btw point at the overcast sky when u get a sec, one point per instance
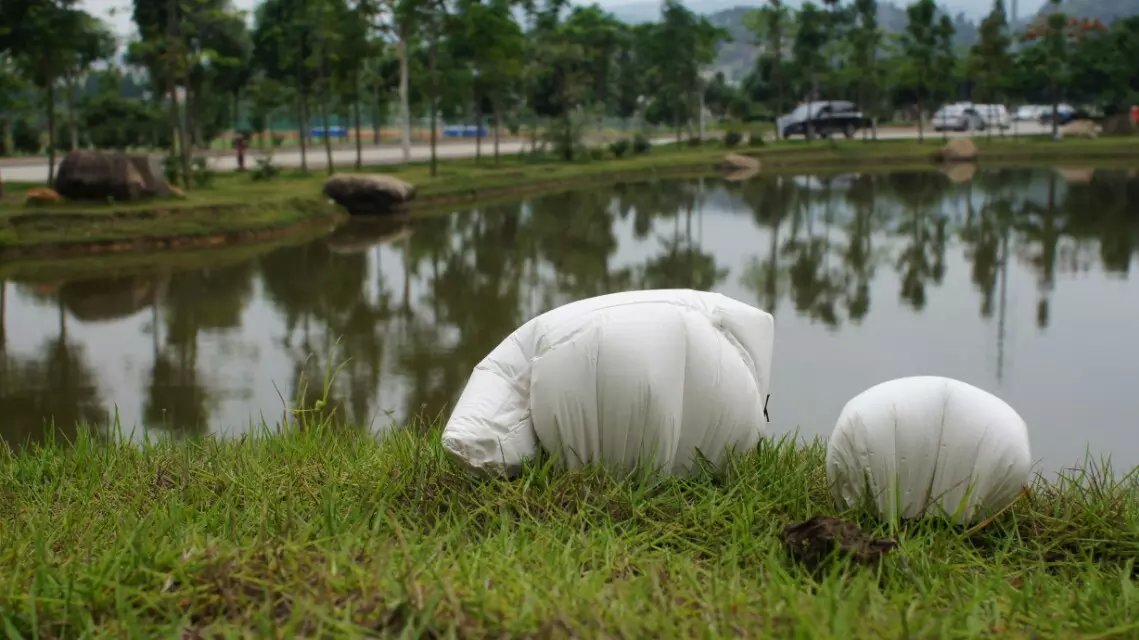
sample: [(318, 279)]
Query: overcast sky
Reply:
[(117, 12)]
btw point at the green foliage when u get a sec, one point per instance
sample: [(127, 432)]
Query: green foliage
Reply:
[(732, 138), (641, 144), (755, 140), (172, 168), (265, 170), (25, 137), (201, 173), (619, 147)]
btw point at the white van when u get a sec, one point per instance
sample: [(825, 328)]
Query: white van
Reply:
[(969, 116)]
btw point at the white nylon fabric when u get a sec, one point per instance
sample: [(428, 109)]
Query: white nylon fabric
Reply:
[(929, 445), (659, 377)]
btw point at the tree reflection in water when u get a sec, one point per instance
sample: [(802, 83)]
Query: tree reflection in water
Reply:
[(403, 310)]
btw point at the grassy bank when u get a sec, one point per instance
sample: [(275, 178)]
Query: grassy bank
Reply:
[(235, 207), (331, 533)]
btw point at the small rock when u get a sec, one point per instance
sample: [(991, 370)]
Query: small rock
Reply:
[(42, 195), (960, 150), (736, 162), (813, 541), (376, 194)]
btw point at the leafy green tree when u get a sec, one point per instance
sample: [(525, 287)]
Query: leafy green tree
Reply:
[(807, 52), (925, 44), (283, 42), (989, 63), (677, 48), (865, 44), (768, 80), (49, 39)]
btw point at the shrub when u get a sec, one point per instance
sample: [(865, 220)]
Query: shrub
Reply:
[(172, 168), (201, 173), (695, 141), (619, 148), (641, 144), (732, 138), (755, 140), (25, 137), (265, 170), (278, 140)]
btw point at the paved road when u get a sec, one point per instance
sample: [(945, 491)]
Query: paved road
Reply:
[(35, 170)]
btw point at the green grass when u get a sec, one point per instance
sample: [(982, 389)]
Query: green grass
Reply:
[(327, 532), (235, 205)]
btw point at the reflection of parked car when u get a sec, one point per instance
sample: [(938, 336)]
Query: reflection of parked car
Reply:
[(968, 116), (824, 117)]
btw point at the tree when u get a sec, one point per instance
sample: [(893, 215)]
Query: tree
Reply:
[(679, 45), (49, 38), (1050, 57), (807, 52), (865, 41), (926, 44), (282, 46), (770, 25), (989, 63)]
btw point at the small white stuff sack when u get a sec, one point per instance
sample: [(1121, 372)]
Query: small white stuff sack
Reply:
[(928, 445), (660, 377)]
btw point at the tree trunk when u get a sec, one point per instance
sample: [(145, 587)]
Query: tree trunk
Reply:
[(478, 128), (404, 104), (376, 113), (72, 125), (497, 124), (921, 130), (176, 142), (432, 54), (1055, 111), (302, 129), (50, 131), (356, 109), (322, 82)]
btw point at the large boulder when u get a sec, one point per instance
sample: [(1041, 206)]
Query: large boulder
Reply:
[(98, 175), (361, 194), (960, 150)]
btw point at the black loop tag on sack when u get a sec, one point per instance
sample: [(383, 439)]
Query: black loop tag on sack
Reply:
[(765, 401)]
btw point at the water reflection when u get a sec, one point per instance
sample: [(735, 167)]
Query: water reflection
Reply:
[(870, 276)]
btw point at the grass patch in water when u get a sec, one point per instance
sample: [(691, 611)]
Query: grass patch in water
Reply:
[(323, 531)]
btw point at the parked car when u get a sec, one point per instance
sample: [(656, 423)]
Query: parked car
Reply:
[(1029, 113), (969, 116), (824, 117), (1064, 112)]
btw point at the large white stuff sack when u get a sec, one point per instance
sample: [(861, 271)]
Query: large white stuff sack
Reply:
[(661, 377), (929, 445)]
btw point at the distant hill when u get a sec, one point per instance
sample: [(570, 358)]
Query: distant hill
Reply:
[(1106, 10), (736, 57)]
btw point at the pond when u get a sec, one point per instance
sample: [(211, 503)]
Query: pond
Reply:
[(1018, 281)]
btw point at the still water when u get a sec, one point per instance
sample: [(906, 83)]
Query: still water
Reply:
[(1018, 281)]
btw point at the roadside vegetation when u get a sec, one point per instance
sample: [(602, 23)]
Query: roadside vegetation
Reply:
[(322, 529)]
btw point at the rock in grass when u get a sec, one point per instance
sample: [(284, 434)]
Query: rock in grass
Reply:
[(86, 174), (362, 195), (960, 150), (1082, 129), (734, 162), (814, 541), (42, 195)]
